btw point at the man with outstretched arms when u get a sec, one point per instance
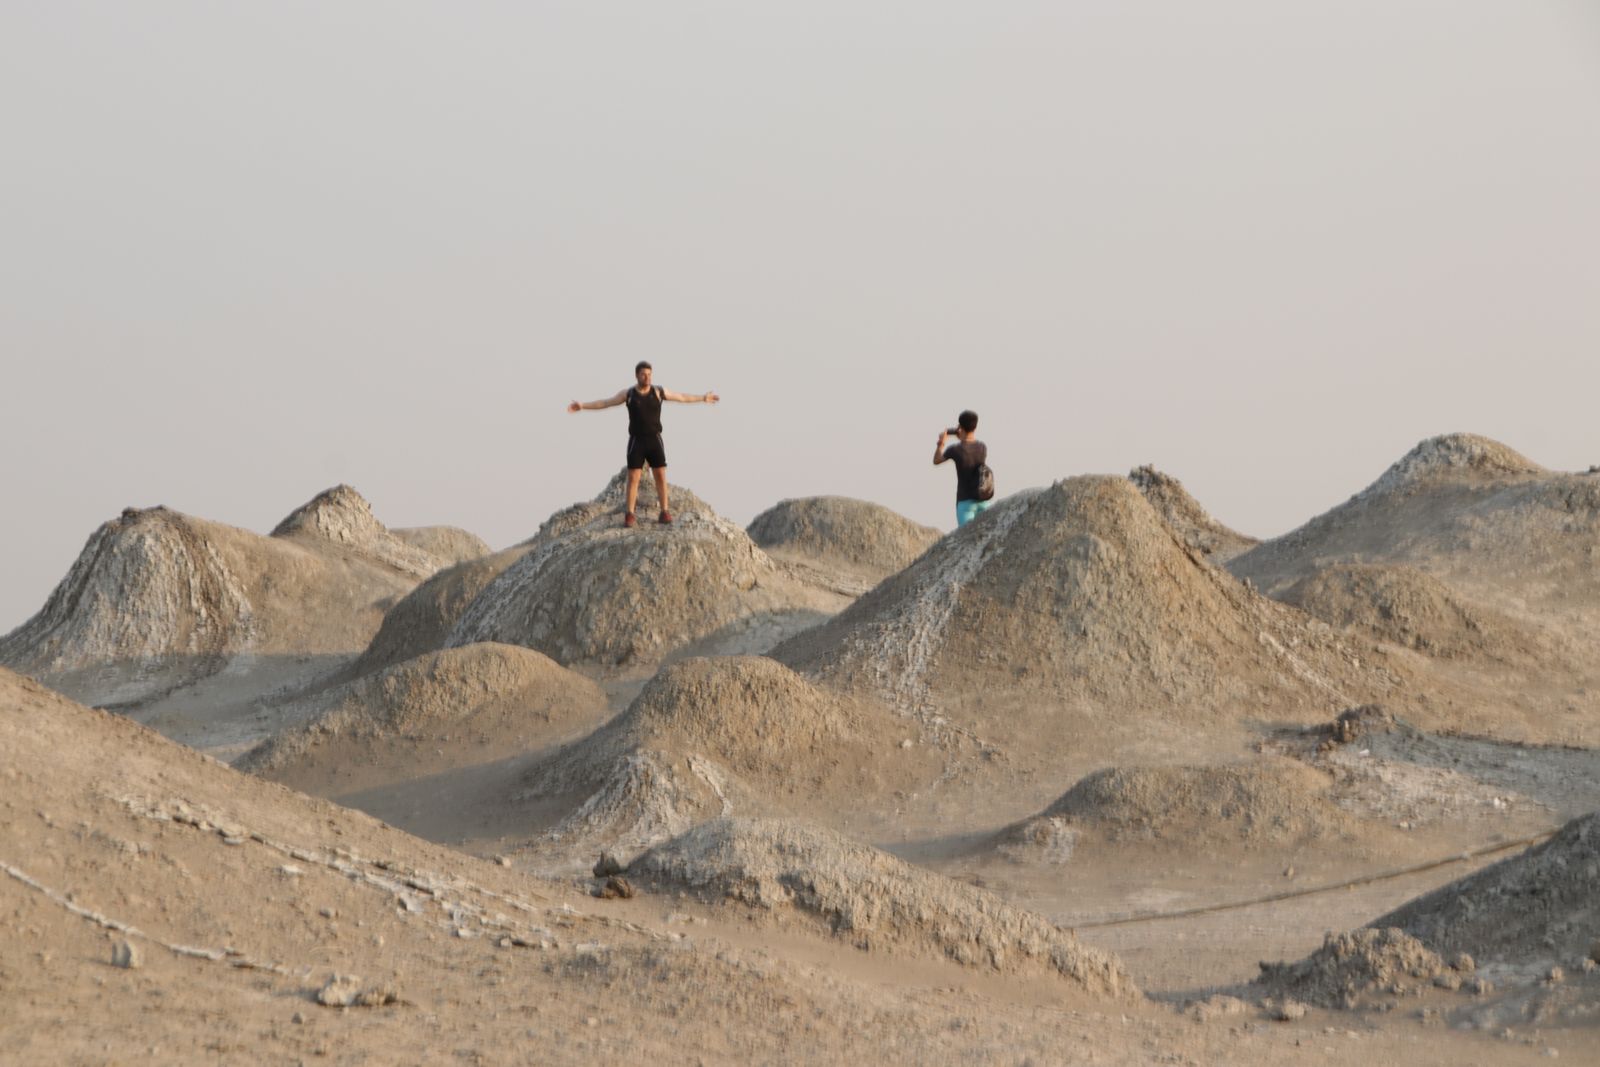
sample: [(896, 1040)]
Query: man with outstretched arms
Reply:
[(644, 432)]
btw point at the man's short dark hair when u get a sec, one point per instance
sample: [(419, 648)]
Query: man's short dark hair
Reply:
[(644, 364), (968, 421)]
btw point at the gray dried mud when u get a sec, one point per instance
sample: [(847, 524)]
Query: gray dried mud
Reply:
[(158, 600), (1051, 759), (838, 533), (589, 592)]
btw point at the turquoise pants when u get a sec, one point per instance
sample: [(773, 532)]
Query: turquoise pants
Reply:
[(967, 510)]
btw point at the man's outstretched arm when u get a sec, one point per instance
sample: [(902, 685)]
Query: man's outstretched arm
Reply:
[(690, 398), (596, 405), (938, 449)]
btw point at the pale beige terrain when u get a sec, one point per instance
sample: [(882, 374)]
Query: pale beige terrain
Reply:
[(1058, 788)]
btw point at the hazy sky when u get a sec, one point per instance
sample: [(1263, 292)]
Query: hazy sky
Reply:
[(249, 251)]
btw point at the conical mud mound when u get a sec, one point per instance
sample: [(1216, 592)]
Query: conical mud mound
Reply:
[(153, 600), (441, 710), (878, 903), (838, 532), (1492, 574), (1464, 508), (1462, 457), (711, 736), (448, 544), (1184, 515), (342, 518), (1082, 592), (589, 591), (1269, 803), (158, 600)]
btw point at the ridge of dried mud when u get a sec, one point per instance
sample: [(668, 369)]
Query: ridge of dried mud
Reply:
[(1184, 515), (871, 899), (1537, 908)]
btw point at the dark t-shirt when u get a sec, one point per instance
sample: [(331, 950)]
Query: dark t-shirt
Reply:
[(644, 412), (967, 456)]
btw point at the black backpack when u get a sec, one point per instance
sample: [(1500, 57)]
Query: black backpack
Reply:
[(985, 482)]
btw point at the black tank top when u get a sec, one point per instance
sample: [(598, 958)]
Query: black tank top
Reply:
[(644, 412)]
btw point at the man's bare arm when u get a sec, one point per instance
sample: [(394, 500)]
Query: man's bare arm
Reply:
[(690, 398), (596, 405), (938, 449)]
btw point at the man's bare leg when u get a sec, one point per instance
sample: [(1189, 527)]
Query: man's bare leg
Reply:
[(633, 488), (661, 486)]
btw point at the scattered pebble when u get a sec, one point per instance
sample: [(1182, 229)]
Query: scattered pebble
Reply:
[(126, 954), (1289, 1011), (615, 886), (345, 991)]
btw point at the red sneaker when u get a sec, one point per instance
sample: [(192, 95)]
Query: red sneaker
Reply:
[(628, 519), (665, 518)]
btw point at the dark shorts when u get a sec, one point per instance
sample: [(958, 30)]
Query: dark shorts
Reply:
[(642, 450)]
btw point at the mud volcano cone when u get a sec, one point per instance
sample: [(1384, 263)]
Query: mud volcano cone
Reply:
[(590, 591), (1080, 593), (1469, 511), (158, 600)]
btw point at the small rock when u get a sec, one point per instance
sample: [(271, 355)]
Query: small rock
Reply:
[(607, 866), (906, 743), (329, 913), (1289, 1011), (297, 1018), (1594, 952), (126, 954), (1217, 1007), (504, 861), (1480, 986), (345, 991), (1555, 975), (1448, 980), (1464, 963), (1589, 965), (615, 886)]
